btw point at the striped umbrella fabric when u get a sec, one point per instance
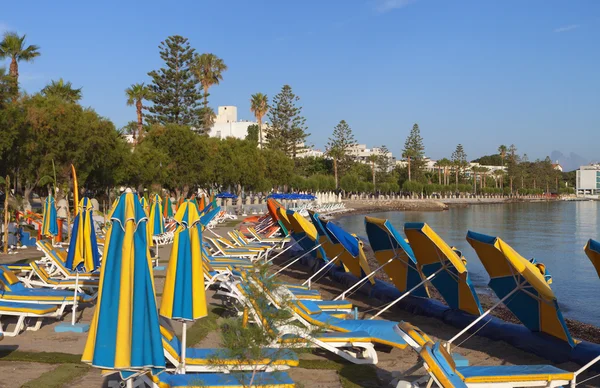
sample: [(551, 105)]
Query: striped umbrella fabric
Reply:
[(183, 295), (524, 284), (145, 206), (156, 221), (125, 332), (83, 247), (49, 223), (435, 256), (167, 208), (592, 250)]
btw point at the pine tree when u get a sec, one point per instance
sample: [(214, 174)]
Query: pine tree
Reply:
[(175, 94), (459, 160), (414, 151), (287, 131), (339, 147)]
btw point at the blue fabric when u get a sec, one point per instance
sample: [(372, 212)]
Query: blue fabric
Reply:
[(81, 217), (349, 242), (260, 379), (595, 245), (27, 306), (509, 370), (446, 368), (208, 216), (183, 309), (314, 218), (226, 194)]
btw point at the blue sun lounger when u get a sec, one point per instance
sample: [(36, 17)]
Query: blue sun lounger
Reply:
[(35, 312), (446, 374), (221, 380)]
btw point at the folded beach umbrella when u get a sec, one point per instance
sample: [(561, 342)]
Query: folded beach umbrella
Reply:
[(332, 248), (125, 333), (83, 247), (395, 255), (592, 250), (303, 227), (201, 204), (49, 223), (167, 207), (145, 206), (184, 298), (522, 285), (353, 257), (272, 206), (156, 221), (211, 212), (451, 277)]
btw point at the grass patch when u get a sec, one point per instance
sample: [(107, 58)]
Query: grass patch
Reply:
[(43, 357), (199, 330), (351, 375), (58, 377)]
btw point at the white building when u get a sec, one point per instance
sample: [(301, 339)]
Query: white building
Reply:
[(588, 180), (227, 124)]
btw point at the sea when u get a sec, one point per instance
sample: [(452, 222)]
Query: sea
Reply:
[(553, 233)]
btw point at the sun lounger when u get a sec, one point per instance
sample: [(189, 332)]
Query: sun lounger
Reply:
[(39, 277), (213, 360), (56, 257), (220, 380), (30, 311), (446, 374), (224, 251), (271, 240)]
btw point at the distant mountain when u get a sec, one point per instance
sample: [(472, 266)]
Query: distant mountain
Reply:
[(568, 163)]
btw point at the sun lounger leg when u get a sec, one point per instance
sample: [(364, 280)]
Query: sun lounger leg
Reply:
[(37, 326), (18, 327)]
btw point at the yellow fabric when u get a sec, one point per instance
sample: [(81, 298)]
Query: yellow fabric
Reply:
[(518, 378), (433, 366), (419, 336)]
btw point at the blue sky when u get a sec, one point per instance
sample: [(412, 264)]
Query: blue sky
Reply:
[(476, 72)]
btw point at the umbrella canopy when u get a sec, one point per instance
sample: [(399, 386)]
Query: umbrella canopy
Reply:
[(201, 204), (592, 250), (525, 284), (83, 247), (272, 206), (124, 332), (226, 194), (167, 207), (211, 212), (354, 257), (156, 223), (387, 243), (303, 227), (49, 223), (183, 297), (145, 206), (435, 256)]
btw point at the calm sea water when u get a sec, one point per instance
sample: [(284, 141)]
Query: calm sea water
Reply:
[(552, 232)]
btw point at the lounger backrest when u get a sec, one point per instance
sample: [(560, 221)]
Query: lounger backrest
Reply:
[(7, 279), (171, 342), (440, 365), (416, 334)]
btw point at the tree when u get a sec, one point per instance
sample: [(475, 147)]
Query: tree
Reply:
[(459, 160), (372, 159), (288, 127), (513, 167), (252, 133), (136, 94), (208, 70), (414, 151), (502, 152), (62, 90), (174, 92), (339, 146), (259, 105), (13, 46)]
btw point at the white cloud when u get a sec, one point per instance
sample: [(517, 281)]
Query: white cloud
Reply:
[(567, 28), (383, 6)]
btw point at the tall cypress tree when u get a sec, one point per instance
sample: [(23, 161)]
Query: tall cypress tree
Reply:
[(414, 151), (175, 93), (339, 148), (288, 127)]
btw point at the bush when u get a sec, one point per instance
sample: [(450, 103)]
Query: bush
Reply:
[(350, 183), (412, 187)]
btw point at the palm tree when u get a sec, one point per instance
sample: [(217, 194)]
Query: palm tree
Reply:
[(336, 154), (136, 94), (373, 159), (259, 105), (484, 171), (208, 69), (439, 168), (502, 152), (13, 47), (63, 90)]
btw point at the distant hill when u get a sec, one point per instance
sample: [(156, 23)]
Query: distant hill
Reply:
[(489, 160), (568, 163)]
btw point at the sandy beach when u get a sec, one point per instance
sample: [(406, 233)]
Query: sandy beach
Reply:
[(34, 358)]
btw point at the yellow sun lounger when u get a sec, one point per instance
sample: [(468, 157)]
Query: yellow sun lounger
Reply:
[(41, 278), (57, 258), (33, 312)]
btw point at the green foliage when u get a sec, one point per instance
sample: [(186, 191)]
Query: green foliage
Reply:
[(259, 105), (252, 134), (279, 169), (287, 131), (62, 90), (312, 165), (350, 183), (412, 187), (174, 89), (489, 160), (208, 70), (339, 147), (59, 377), (414, 152)]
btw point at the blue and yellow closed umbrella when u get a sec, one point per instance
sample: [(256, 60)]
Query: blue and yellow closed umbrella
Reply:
[(184, 298), (395, 255), (145, 206), (83, 247), (156, 221), (125, 332), (522, 285), (49, 223), (592, 250), (445, 267)]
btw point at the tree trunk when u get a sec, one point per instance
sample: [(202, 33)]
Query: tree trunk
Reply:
[(140, 123), (205, 103), (408, 165), (511, 184), (373, 172), (6, 217), (475, 182), (26, 196), (260, 137), (335, 172), (14, 73), (456, 177)]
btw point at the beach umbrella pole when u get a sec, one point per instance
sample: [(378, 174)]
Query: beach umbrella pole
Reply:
[(183, 346), (361, 281), (280, 253), (75, 299), (390, 305), (321, 270), (469, 326), (295, 260)]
